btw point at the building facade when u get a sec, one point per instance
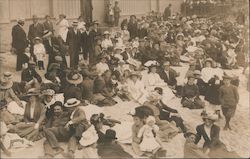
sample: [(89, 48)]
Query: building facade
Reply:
[(10, 10)]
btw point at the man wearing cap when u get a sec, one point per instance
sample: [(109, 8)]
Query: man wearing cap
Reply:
[(229, 98), (56, 131), (19, 42), (30, 73), (73, 41)]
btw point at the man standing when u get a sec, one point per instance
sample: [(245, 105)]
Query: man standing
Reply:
[(88, 43), (35, 30), (229, 98), (167, 12), (48, 25), (19, 42), (117, 11), (73, 41)]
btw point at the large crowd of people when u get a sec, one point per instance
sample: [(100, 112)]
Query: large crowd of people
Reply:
[(133, 63)]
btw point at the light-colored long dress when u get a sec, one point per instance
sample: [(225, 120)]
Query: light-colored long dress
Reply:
[(63, 29), (136, 89)]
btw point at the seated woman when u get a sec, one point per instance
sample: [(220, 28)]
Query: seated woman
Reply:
[(74, 79), (152, 79), (190, 95), (210, 132), (14, 105), (135, 88), (167, 130), (200, 83), (34, 116), (103, 90)]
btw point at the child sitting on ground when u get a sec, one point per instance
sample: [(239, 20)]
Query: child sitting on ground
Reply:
[(150, 142)]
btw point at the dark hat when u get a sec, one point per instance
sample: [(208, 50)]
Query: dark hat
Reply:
[(57, 103), (110, 134), (32, 92), (95, 118), (74, 78), (191, 76)]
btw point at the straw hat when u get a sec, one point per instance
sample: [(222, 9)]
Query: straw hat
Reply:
[(32, 92), (75, 23), (209, 60), (37, 38), (134, 73), (72, 102), (48, 92), (151, 63), (74, 78), (58, 58), (226, 77), (106, 33), (197, 72)]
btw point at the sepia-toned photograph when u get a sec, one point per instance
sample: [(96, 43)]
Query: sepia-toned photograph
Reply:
[(124, 79)]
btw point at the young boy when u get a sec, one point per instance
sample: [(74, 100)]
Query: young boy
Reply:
[(229, 98), (39, 52)]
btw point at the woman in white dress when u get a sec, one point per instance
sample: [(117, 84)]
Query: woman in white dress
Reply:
[(135, 88), (152, 80), (63, 26)]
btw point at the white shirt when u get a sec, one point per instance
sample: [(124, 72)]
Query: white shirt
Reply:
[(207, 73), (135, 89), (106, 43), (39, 51), (207, 130), (153, 79), (101, 68), (63, 29), (32, 110)]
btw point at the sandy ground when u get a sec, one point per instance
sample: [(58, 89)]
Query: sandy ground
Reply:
[(236, 140)]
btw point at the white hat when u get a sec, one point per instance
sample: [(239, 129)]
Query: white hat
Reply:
[(48, 92), (72, 102), (151, 63), (106, 32)]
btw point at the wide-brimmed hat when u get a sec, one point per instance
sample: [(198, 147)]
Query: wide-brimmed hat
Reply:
[(48, 92), (31, 62), (209, 60), (74, 78), (134, 73), (110, 134), (151, 63), (106, 33), (32, 92), (197, 72), (37, 38), (72, 102), (191, 76)]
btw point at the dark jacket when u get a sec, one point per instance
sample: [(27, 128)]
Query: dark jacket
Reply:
[(210, 141), (59, 121), (73, 41), (87, 87), (35, 31), (39, 113), (87, 41), (112, 150), (28, 74), (19, 39), (48, 26), (72, 91), (171, 80), (133, 30), (165, 111)]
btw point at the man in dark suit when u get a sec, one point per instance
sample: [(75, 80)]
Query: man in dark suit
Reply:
[(56, 131), (48, 25), (19, 42), (35, 30), (87, 42), (30, 73), (167, 12), (168, 75), (211, 139), (73, 41)]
